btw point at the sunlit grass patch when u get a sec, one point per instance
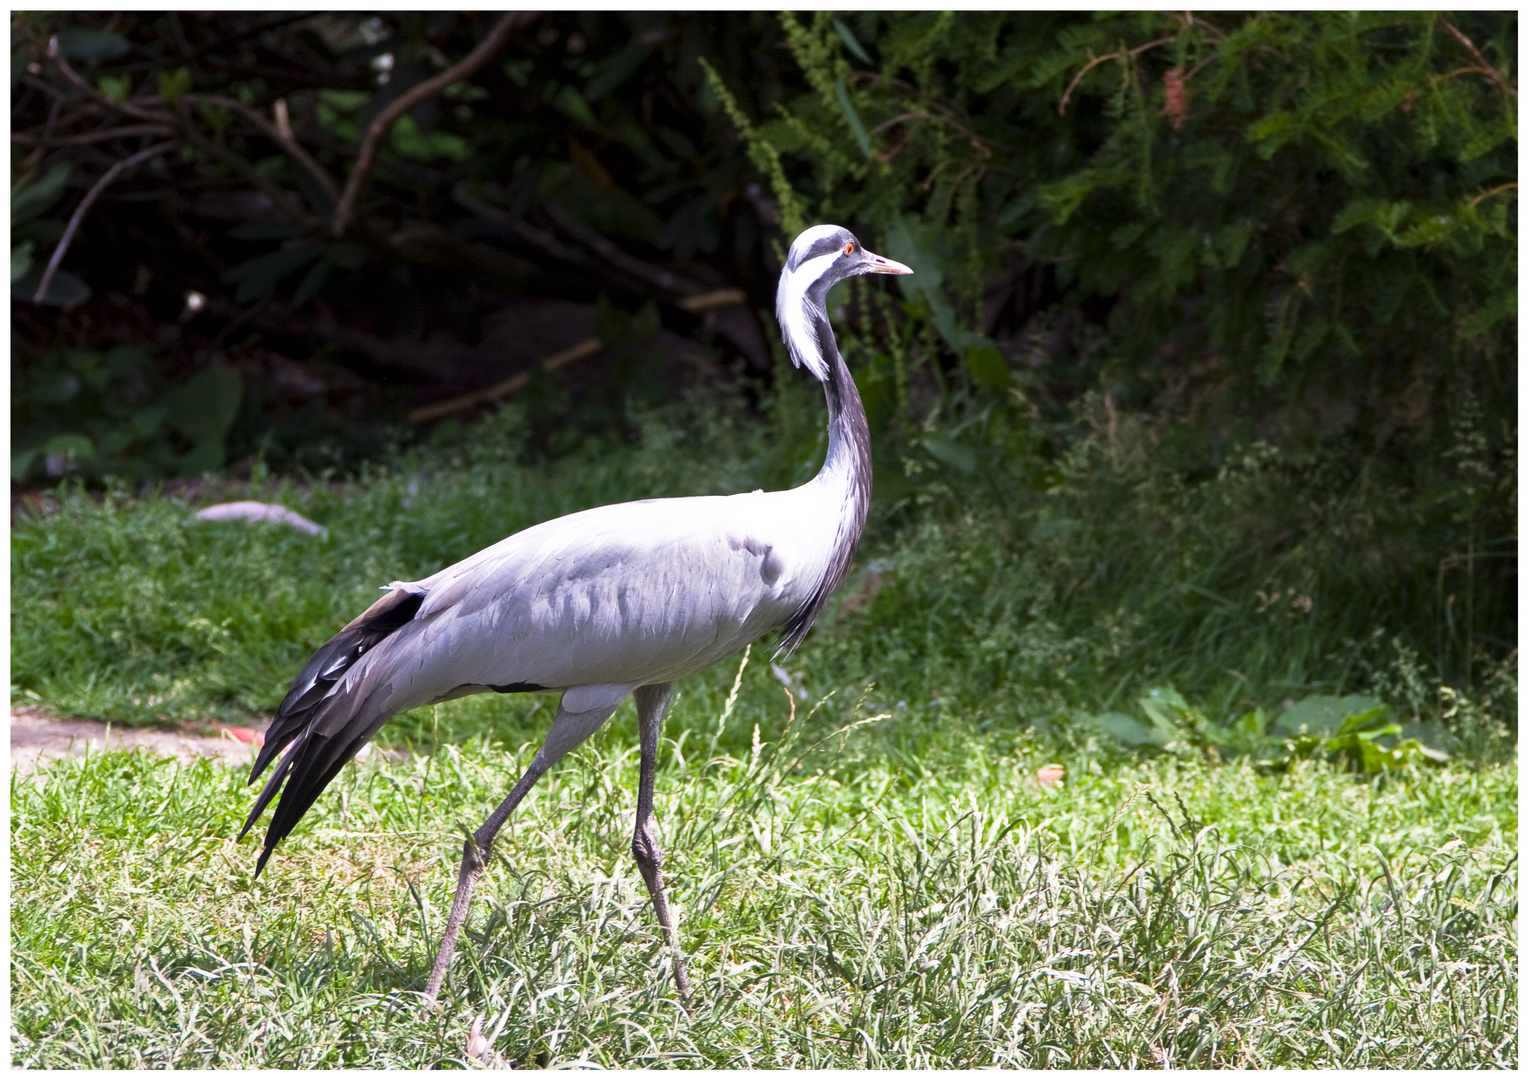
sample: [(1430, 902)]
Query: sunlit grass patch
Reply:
[(844, 914)]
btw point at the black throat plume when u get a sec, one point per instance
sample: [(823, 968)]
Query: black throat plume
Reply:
[(848, 455)]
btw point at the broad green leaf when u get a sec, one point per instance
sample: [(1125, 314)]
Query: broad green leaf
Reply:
[(174, 85), (861, 136), (1125, 729), (617, 70), (65, 290), (116, 87), (1324, 714), (571, 104), (54, 388), (21, 463), (947, 451), (21, 259), (612, 211), (144, 422), (125, 358), (258, 276), (202, 458), (410, 141), (851, 42), (312, 282), (987, 367), (70, 444), (78, 43), (31, 196), (927, 281), (204, 408), (1169, 713)]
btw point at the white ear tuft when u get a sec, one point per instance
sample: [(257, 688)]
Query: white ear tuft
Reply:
[(795, 311)]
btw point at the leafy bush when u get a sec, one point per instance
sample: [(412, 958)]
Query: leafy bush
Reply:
[(1281, 250), (582, 159), (1251, 197), (99, 415)]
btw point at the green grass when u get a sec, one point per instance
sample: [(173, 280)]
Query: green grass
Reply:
[(889, 893), (846, 904), (125, 609), (1026, 594)]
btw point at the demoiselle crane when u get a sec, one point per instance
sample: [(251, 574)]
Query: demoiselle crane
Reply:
[(597, 605)]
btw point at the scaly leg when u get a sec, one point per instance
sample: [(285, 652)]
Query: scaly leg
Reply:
[(652, 703), (568, 730), (474, 862)]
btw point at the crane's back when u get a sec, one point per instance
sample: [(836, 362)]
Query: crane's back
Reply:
[(633, 593)]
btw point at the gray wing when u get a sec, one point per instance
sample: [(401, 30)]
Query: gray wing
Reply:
[(628, 594)]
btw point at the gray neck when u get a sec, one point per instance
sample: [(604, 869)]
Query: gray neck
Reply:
[(847, 466)]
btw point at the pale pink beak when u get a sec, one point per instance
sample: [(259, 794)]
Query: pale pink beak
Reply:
[(877, 264)]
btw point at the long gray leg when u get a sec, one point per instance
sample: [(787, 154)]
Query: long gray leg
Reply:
[(568, 730), (652, 703)]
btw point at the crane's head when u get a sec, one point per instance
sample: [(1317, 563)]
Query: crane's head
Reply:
[(821, 257)]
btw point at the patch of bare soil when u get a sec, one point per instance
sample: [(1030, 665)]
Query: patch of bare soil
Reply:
[(37, 737)]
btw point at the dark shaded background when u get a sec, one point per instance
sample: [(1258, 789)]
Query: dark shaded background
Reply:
[(477, 249)]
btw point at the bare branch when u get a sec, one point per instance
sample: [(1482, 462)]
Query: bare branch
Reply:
[(1093, 63), (716, 298), (1478, 199), (279, 132), (56, 55), (425, 414), (1089, 66), (883, 125), (43, 85), (270, 190), (127, 131), (1485, 67), (379, 127), (188, 132), (539, 238), (571, 355), (655, 275), (938, 110), (53, 111), (84, 208)]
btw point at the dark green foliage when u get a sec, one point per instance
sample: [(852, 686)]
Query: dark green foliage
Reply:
[(1358, 732), (1073, 593), (104, 415), (1257, 195), (1298, 233), (584, 125)]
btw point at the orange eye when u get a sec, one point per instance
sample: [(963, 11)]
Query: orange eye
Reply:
[(848, 249)]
